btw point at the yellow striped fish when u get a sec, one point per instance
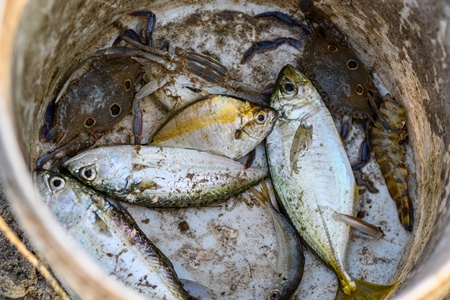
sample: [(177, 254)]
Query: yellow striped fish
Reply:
[(219, 124)]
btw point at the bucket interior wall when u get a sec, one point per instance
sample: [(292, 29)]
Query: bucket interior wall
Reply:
[(403, 42)]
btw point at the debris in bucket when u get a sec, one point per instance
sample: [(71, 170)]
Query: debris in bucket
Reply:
[(187, 98)]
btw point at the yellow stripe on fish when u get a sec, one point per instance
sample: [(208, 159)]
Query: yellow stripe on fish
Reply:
[(219, 124)]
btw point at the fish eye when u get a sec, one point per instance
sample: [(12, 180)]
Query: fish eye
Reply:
[(274, 294), (115, 110), (352, 64), (260, 117), (88, 173), (89, 122), (288, 88), (332, 48), (128, 84), (359, 89), (57, 183)]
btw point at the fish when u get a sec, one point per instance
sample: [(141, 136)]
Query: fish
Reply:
[(291, 260), (367, 229), (313, 178), (156, 176), (110, 235), (220, 124), (389, 150)]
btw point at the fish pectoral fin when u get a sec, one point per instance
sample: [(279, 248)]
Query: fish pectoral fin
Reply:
[(196, 290), (134, 185), (301, 142), (146, 185), (237, 134), (365, 291), (150, 87), (368, 230), (202, 94)]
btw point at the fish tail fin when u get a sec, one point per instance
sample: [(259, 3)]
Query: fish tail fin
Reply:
[(365, 291), (263, 196)]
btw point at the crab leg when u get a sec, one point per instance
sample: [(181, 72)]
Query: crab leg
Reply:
[(149, 27), (128, 32), (268, 45), (47, 157), (365, 146), (345, 126), (148, 49), (137, 122), (165, 45), (284, 18), (46, 133)]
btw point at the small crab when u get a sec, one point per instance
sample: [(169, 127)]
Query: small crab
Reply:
[(94, 98), (112, 81), (330, 63)]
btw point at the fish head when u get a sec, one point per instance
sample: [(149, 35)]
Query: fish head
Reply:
[(293, 90), (64, 196), (86, 166), (259, 121), (281, 289), (96, 167), (50, 184)]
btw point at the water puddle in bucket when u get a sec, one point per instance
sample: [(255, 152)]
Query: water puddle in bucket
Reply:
[(232, 248)]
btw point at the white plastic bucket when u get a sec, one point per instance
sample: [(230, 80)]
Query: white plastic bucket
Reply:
[(404, 43)]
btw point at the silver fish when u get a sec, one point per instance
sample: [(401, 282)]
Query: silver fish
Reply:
[(313, 176), (290, 261), (110, 236), (157, 176)]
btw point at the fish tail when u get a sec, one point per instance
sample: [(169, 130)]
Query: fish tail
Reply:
[(365, 291), (263, 196)]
